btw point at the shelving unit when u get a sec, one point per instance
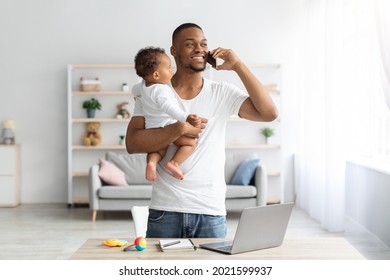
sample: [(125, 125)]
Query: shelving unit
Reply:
[(249, 137), (10, 175), (81, 157)]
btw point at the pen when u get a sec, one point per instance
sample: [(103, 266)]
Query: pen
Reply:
[(171, 243), (192, 244)]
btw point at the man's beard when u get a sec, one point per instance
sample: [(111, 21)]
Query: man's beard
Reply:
[(191, 67), (197, 70)]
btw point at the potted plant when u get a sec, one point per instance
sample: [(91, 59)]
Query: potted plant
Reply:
[(121, 139), (267, 133), (91, 106)]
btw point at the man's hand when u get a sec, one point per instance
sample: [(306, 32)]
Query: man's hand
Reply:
[(230, 60)]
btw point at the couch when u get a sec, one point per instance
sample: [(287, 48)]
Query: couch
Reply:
[(135, 190)]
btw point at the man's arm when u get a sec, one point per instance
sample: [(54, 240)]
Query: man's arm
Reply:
[(141, 140), (259, 106)]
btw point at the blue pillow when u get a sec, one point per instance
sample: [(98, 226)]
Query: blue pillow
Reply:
[(244, 172)]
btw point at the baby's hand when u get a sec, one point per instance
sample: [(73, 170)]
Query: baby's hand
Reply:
[(194, 120)]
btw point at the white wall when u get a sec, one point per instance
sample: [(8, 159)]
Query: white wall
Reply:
[(39, 38)]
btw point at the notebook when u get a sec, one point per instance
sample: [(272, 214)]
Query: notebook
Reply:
[(258, 228), (176, 245)]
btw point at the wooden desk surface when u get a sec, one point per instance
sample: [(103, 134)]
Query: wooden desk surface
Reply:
[(330, 248)]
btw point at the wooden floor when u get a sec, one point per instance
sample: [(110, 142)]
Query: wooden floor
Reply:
[(54, 232)]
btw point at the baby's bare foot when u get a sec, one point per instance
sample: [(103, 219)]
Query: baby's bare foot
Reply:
[(150, 172), (175, 169)]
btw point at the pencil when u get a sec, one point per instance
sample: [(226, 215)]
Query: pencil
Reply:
[(171, 243)]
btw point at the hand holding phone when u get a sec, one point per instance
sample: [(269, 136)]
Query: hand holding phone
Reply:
[(211, 60)]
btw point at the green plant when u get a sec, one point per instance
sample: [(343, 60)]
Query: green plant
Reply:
[(267, 132), (92, 104)]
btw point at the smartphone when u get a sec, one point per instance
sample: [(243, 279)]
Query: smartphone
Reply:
[(211, 60)]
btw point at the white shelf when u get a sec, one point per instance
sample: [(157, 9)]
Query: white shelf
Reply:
[(99, 147), (101, 66), (102, 120), (102, 93), (259, 146), (80, 174)]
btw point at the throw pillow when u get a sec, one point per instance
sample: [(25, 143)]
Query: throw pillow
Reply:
[(133, 165), (244, 172), (111, 174)]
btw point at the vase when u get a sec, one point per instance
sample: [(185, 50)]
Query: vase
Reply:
[(91, 113)]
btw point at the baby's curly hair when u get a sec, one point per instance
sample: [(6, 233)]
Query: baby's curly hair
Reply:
[(147, 60)]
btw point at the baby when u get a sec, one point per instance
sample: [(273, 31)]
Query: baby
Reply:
[(161, 107)]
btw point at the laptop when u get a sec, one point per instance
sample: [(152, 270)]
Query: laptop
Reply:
[(258, 228)]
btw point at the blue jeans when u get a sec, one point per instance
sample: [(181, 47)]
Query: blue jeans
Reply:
[(165, 224)]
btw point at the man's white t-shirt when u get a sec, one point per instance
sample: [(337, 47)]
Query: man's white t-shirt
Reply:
[(203, 189)]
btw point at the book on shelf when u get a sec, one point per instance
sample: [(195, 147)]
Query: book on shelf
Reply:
[(177, 245)]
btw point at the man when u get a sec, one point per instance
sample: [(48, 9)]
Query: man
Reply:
[(195, 207)]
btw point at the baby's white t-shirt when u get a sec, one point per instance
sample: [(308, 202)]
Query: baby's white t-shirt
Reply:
[(159, 105)]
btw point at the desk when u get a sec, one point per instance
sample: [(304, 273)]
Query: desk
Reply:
[(329, 248)]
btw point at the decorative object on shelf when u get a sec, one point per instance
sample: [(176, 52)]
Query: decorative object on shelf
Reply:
[(125, 87), (123, 112), (121, 139), (7, 134), (267, 133), (91, 106), (92, 137), (90, 85)]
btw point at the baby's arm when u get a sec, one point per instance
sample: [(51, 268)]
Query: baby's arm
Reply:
[(166, 101)]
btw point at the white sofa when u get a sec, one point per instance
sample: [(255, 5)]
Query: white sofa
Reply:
[(138, 192)]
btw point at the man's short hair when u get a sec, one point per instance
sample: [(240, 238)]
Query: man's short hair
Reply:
[(183, 27), (147, 60)]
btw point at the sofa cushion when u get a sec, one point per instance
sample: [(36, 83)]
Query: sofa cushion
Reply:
[(127, 192), (234, 158), (111, 174), (133, 165), (245, 172), (239, 191)]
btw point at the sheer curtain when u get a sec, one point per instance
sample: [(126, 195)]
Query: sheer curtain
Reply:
[(337, 90), (382, 13)]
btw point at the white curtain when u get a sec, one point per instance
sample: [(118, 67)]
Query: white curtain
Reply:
[(382, 14), (335, 93)]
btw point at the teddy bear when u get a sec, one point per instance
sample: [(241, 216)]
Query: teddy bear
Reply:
[(123, 112), (92, 137)]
